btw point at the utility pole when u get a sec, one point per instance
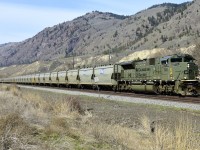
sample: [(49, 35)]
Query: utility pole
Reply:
[(73, 58), (109, 55)]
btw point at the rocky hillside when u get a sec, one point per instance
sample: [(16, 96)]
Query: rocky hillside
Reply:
[(168, 26)]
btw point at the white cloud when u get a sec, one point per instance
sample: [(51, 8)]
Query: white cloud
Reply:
[(25, 20)]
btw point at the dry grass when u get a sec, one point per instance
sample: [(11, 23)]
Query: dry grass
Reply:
[(185, 136), (15, 133), (38, 111), (181, 136), (39, 120), (13, 88), (118, 136), (145, 125)]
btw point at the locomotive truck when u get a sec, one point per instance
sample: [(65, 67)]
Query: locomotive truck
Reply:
[(174, 74)]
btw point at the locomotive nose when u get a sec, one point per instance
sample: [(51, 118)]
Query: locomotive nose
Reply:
[(192, 70)]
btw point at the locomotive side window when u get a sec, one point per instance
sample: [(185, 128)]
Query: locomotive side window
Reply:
[(164, 62), (129, 66)]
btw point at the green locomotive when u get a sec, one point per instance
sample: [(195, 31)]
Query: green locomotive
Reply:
[(175, 74), (166, 75)]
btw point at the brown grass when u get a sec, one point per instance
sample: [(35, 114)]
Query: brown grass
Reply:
[(42, 120), (15, 133), (13, 88), (122, 137), (145, 125), (181, 136)]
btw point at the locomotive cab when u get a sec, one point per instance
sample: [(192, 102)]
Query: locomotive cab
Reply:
[(191, 72), (178, 75), (179, 67), (184, 72)]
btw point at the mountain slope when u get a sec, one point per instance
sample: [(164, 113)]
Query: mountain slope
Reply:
[(166, 26)]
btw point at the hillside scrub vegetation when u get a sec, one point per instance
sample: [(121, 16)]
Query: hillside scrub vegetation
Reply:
[(31, 119), (167, 25), (196, 53)]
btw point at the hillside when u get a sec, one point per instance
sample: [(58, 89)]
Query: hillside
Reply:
[(168, 26), (88, 61)]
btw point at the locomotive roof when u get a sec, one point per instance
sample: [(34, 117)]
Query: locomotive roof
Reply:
[(162, 58), (177, 56), (126, 63), (130, 62)]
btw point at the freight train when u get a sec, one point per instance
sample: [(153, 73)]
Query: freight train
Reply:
[(174, 74)]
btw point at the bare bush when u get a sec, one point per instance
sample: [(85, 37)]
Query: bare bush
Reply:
[(196, 53), (15, 133), (122, 137), (145, 124), (67, 105), (180, 137), (13, 88)]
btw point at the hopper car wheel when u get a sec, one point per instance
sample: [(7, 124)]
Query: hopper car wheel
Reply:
[(95, 87), (81, 87)]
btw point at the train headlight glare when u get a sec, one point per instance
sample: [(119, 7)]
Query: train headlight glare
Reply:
[(188, 65), (185, 77)]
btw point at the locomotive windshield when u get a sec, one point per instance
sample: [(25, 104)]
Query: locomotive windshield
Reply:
[(188, 59)]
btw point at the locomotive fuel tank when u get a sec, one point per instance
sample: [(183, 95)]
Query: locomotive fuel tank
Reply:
[(147, 87)]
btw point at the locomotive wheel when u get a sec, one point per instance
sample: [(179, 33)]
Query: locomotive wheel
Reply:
[(157, 90), (80, 86), (114, 88)]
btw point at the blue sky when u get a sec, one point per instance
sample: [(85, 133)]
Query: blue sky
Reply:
[(22, 19)]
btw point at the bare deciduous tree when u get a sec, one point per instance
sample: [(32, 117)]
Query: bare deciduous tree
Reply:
[(196, 53)]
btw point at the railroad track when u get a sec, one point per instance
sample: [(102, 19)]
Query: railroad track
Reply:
[(172, 98)]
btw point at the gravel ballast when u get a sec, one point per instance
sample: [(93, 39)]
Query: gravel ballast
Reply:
[(122, 98)]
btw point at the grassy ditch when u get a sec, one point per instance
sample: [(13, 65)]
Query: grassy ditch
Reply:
[(42, 120)]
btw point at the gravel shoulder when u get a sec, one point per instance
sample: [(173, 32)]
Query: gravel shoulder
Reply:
[(145, 101)]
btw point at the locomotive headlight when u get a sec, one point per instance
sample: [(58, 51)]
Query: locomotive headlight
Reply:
[(188, 65), (185, 78)]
